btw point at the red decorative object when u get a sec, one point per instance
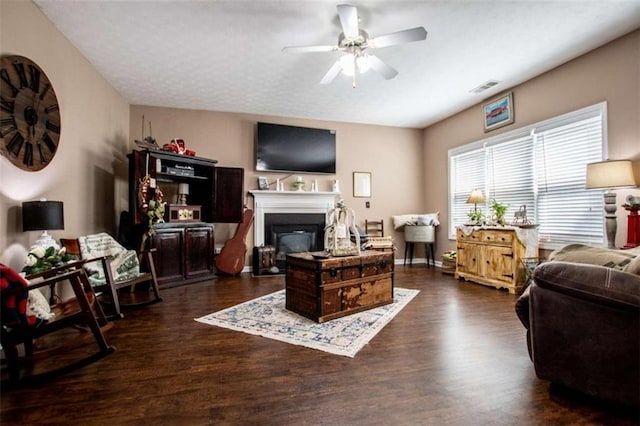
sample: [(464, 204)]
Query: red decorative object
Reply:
[(633, 228), (178, 146)]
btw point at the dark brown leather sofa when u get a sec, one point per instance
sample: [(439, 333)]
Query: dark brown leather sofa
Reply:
[(583, 329)]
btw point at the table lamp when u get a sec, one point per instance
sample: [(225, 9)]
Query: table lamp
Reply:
[(43, 215), (608, 175), (475, 198), (183, 191)]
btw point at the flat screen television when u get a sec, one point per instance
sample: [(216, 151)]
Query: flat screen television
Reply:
[(281, 148)]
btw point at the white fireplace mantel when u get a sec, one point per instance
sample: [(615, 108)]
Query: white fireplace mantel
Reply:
[(301, 202)]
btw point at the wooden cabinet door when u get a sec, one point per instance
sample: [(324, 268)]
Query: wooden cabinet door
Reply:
[(169, 257), (228, 204), (199, 251), (467, 258), (497, 263)]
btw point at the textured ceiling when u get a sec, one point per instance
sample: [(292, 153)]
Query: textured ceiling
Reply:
[(227, 55)]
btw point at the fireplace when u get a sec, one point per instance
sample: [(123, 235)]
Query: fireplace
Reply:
[(291, 221), (293, 233)]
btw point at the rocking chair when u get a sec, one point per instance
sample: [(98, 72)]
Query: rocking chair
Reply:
[(20, 328), (115, 270)]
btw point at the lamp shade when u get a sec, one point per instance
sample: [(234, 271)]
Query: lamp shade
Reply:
[(42, 215), (475, 197), (183, 188), (610, 174)]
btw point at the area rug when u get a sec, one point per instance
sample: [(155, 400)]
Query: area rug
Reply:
[(266, 316)]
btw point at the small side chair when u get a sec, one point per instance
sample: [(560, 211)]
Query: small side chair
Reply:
[(374, 228)]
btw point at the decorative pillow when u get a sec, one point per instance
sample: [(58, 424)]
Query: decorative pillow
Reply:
[(13, 308), (579, 253), (416, 219), (428, 219), (400, 221)]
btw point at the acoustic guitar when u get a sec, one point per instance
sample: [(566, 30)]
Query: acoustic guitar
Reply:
[(231, 257)]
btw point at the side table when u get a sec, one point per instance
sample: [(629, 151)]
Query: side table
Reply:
[(633, 229)]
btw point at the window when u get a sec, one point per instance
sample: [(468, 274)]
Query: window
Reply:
[(542, 167)]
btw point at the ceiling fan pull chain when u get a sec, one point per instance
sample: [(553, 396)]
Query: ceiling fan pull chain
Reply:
[(355, 70)]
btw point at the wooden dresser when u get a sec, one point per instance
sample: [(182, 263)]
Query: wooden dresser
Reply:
[(493, 256), (326, 288)]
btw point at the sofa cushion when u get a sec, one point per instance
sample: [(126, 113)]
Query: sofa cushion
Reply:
[(633, 267), (605, 284), (580, 253)]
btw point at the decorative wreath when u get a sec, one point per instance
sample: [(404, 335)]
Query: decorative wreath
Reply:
[(150, 206)]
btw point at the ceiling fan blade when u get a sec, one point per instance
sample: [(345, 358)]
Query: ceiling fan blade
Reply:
[(332, 73), (349, 20), (406, 36), (381, 68), (309, 49)]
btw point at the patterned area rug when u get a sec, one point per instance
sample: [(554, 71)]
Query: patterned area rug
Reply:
[(267, 317)]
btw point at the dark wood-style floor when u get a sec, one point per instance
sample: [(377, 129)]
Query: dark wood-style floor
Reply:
[(455, 355)]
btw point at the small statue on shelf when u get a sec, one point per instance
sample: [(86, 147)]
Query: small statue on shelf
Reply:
[(520, 218)]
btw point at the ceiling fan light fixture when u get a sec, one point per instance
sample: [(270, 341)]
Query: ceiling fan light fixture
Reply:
[(349, 65), (362, 61)]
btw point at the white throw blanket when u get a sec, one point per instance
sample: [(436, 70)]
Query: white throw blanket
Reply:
[(124, 263), (38, 306)]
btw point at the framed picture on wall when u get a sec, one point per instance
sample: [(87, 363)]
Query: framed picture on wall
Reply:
[(498, 112), (362, 184)]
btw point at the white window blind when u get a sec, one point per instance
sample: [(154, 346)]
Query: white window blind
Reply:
[(467, 172), (511, 167), (567, 212), (542, 167)]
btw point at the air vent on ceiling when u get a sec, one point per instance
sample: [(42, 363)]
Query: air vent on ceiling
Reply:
[(484, 86)]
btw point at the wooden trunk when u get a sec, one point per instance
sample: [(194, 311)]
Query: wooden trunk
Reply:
[(324, 288)]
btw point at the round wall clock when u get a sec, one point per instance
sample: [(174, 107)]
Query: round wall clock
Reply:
[(29, 115)]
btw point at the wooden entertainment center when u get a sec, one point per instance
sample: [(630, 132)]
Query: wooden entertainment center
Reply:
[(185, 242)]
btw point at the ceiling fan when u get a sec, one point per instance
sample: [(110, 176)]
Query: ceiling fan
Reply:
[(354, 42)]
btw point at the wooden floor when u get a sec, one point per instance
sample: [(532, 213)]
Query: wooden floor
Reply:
[(455, 355)]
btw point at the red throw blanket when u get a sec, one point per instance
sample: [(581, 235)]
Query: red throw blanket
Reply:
[(13, 303)]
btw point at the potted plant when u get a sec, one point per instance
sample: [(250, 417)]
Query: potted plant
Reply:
[(475, 217), (499, 211)]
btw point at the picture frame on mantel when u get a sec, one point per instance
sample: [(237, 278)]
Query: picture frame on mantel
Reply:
[(362, 184), (263, 183), (498, 112)]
